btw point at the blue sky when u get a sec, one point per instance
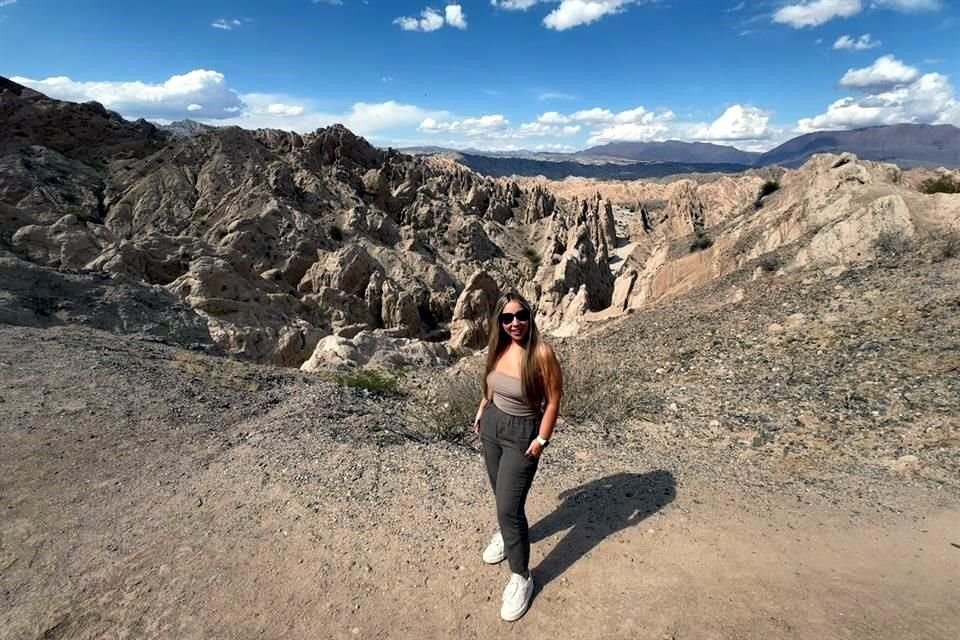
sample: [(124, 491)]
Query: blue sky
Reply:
[(503, 74)]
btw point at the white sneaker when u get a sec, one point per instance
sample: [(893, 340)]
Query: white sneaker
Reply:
[(516, 597), (494, 552)]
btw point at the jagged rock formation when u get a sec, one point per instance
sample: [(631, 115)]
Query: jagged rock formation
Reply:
[(278, 239), (830, 213)]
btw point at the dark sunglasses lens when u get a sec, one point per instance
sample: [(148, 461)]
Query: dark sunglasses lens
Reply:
[(522, 316)]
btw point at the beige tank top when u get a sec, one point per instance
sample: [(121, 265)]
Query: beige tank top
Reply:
[(508, 395)]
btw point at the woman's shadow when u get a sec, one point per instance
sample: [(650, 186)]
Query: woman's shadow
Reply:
[(596, 510)]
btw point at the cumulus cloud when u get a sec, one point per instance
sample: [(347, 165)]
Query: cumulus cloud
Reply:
[(431, 20), (886, 72), (455, 17), (170, 99), (813, 13), (573, 13), (897, 96), (856, 44), (570, 13), (484, 125), (816, 12), (737, 123)]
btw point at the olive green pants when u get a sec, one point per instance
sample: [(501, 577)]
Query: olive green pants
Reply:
[(505, 439)]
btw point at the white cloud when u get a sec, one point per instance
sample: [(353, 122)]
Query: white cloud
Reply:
[(194, 107), (816, 12), (284, 110), (226, 25), (169, 99), (514, 5), (856, 44), (570, 13), (595, 115), (455, 17), (738, 7), (431, 20), (738, 122), (484, 125), (813, 13), (886, 72), (539, 129), (7, 3), (929, 98), (573, 13), (336, 3), (552, 117)]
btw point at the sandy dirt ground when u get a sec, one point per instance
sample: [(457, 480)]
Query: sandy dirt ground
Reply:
[(152, 493)]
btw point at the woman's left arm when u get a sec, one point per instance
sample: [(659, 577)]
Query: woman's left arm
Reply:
[(553, 383)]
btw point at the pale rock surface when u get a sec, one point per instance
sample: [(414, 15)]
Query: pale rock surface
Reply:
[(472, 313), (375, 349)]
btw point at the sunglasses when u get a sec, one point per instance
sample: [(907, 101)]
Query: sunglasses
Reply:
[(522, 316)]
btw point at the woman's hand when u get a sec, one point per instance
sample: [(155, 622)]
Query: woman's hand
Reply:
[(534, 450)]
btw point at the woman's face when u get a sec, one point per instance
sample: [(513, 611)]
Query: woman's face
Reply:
[(515, 320)]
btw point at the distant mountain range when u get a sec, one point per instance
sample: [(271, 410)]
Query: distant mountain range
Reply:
[(672, 151), (907, 145)]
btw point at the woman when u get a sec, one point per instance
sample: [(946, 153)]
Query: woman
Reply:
[(522, 386)]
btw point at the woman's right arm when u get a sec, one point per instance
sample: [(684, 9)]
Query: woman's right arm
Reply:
[(476, 420)]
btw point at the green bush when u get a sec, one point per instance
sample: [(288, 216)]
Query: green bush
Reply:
[(770, 263), (373, 380), (768, 187), (701, 241), (944, 183), (532, 256)]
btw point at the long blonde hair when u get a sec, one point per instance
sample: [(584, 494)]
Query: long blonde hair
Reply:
[(531, 376)]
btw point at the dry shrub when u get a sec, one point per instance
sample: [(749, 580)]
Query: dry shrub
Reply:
[(893, 244), (604, 392), (943, 183), (454, 398), (223, 372), (944, 246)]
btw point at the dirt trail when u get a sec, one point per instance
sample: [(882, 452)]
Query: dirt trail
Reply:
[(269, 514)]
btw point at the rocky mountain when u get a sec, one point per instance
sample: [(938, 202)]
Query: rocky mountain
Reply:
[(186, 128), (672, 151), (907, 145), (293, 249)]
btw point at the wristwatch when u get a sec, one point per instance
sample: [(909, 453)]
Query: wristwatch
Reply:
[(543, 442)]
